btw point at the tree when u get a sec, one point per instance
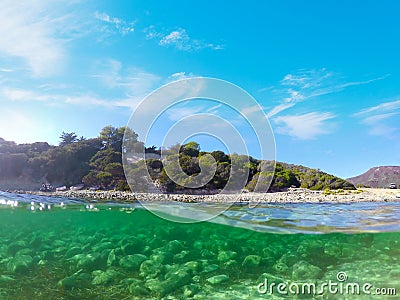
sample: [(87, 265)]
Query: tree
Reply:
[(68, 138), (191, 149)]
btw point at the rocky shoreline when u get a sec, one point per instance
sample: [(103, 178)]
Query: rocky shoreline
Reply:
[(297, 195)]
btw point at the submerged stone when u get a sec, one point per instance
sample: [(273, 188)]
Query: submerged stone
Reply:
[(111, 259), (226, 255), (132, 262), (251, 261), (174, 247), (304, 270), (190, 290), (77, 280), (210, 268), (138, 290), (6, 279), (218, 279), (174, 280), (104, 278), (132, 246), (19, 264), (72, 252), (150, 269), (16, 246)]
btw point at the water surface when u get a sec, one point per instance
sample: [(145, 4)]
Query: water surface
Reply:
[(58, 248)]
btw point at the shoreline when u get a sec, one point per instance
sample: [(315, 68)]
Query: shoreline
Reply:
[(292, 195)]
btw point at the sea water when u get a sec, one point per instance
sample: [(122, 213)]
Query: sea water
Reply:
[(58, 248)]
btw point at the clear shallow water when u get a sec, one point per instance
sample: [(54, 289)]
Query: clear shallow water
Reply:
[(111, 251)]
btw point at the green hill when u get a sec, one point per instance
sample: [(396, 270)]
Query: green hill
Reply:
[(98, 162)]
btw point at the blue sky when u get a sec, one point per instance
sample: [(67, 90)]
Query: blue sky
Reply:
[(327, 73)]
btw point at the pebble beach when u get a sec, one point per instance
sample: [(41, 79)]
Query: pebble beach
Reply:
[(293, 195)]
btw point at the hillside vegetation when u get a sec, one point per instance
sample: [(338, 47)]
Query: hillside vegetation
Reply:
[(98, 162)]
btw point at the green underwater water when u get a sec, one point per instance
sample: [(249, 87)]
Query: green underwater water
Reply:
[(122, 253)]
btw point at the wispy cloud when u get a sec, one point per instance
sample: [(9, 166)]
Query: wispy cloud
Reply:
[(305, 84), (112, 24), (380, 108), (381, 119), (122, 87), (37, 33), (176, 114), (304, 127), (130, 80), (179, 39), (181, 75)]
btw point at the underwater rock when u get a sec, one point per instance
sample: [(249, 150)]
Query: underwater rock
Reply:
[(112, 258), (77, 280), (280, 268), (181, 257), (270, 279), (137, 289), (251, 261), (91, 262), (226, 255), (150, 269), (162, 257), (210, 268), (132, 262), (231, 264), (133, 246), (25, 251), (289, 259), (36, 242), (72, 252), (190, 290), (218, 279), (104, 278), (304, 270), (174, 247), (333, 248), (19, 264), (311, 248), (174, 280), (272, 252), (205, 253), (193, 266), (15, 247), (6, 279), (103, 246)]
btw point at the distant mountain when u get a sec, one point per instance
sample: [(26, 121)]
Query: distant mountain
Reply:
[(378, 177)]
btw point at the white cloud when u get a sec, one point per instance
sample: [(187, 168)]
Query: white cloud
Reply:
[(117, 24), (36, 32), (304, 127), (179, 39), (370, 120), (131, 81), (250, 109), (305, 84), (279, 108), (380, 119), (176, 114), (181, 75), (383, 107)]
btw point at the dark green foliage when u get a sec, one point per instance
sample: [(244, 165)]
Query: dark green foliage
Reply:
[(12, 164), (68, 138), (98, 162)]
